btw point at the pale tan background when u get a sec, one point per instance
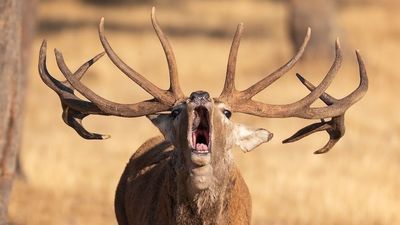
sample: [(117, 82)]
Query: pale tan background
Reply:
[(72, 181)]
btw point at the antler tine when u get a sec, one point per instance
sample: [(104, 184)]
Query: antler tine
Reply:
[(334, 134), (173, 69), (362, 88), (336, 126), (49, 80), (74, 108), (343, 104), (300, 108), (74, 119), (73, 116), (326, 98), (63, 88), (82, 70), (310, 129), (229, 86), (268, 80), (109, 107), (159, 94), (319, 90)]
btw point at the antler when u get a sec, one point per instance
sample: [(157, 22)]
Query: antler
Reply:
[(241, 101), (75, 109)]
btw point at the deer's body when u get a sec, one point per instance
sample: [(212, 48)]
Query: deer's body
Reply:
[(152, 190), (189, 176)]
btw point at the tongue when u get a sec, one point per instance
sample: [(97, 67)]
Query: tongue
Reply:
[(201, 147)]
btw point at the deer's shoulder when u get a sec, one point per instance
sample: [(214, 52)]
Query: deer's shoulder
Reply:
[(144, 186), (149, 154)]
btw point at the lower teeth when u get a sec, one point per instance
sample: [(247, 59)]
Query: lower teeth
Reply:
[(201, 147)]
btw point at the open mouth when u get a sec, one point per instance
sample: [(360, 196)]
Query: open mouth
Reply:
[(201, 131)]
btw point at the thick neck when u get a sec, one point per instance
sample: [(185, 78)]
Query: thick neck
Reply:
[(207, 204)]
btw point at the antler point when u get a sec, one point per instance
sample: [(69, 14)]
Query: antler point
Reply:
[(240, 27), (56, 51), (106, 136), (101, 25), (97, 57), (337, 43), (321, 151), (43, 47), (153, 12), (301, 78)]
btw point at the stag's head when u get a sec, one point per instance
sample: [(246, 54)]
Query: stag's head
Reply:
[(201, 130), (198, 125)]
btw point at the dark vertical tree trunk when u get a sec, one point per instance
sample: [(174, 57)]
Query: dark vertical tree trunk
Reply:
[(320, 15), (12, 82), (28, 28)]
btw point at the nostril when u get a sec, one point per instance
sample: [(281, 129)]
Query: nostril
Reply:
[(199, 95), (206, 95)]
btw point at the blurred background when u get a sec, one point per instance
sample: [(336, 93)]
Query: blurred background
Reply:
[(67, 180)]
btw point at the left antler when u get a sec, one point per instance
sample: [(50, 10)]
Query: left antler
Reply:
[(76, 109), (241, 101)]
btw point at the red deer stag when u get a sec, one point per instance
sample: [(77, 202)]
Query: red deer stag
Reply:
[(189, 175)]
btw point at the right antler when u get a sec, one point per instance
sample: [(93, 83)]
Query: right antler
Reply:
[(75, 109), (241, 101)]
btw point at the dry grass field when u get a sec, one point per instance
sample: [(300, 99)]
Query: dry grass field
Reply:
[(72, 181)]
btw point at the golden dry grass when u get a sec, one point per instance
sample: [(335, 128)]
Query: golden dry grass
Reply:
[(72, 181)]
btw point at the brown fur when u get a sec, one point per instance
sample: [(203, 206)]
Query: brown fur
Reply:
[(152, 190)]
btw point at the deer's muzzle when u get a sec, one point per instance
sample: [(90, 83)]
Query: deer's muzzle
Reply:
[(199, 132)]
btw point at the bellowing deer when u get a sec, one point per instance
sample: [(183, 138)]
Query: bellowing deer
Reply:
[(188, 176)]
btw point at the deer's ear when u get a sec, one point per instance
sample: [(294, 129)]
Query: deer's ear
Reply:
[(163, 123), (249, 138)]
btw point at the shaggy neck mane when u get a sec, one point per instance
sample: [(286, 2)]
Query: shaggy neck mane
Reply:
[(204, 206)]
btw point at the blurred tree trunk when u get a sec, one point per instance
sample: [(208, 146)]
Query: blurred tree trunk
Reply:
[(320, 15), (12, 86), (28, 31)]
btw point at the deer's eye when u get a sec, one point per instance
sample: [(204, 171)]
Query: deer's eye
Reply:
[(175, 113), (227, 113)]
